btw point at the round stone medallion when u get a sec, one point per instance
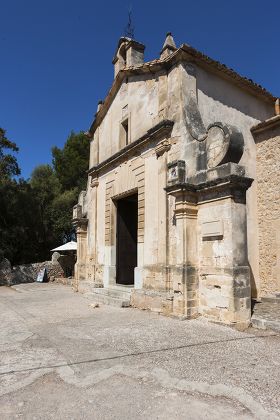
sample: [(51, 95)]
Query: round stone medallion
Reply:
[(217, 144)]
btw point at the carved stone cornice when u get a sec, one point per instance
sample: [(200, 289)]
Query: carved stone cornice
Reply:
[(94, 182), (158, 132), (228, 181), (233, 186), (80, 224), (162, 147), (184, 209)]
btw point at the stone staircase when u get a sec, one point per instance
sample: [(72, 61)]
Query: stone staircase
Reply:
[(266, 313), (118, 296)]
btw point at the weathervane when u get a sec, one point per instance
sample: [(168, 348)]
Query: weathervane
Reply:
[(129, 29)]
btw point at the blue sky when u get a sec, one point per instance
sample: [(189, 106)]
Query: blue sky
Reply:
[(56, 56)]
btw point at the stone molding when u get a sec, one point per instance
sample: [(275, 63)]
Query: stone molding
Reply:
[(226, 181), (94, 182), (185, 209), (156, 133), (80, 224), (162, 147), (137, 172)]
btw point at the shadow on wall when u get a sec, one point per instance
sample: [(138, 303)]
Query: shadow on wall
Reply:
[(66, 262), (231, 96), (254, 290)]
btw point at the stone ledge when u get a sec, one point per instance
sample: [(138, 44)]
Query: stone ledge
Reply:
[(227, 180), (159, 131), (272, 299), (265, 324), (266, 315)]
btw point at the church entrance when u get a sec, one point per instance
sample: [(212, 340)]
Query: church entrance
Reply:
[(127, 221)]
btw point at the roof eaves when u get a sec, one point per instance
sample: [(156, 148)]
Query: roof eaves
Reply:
[(229, 73), (267, 124), (196, 56), (148, 67)]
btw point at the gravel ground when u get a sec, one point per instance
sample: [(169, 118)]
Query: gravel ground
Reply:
[(61, 358)]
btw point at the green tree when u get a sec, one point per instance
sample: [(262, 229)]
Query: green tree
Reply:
[(62, 215), (36, 215), (45, 187), (55, 206), (8, 163), (19, 223), (45, 183), (71, 162)]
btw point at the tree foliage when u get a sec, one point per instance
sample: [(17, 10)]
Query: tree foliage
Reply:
[(62, 215), (71, 162), (19, 223), (8, 163), (35, 214)]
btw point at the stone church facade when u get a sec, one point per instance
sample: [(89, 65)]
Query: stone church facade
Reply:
[(175, 211)]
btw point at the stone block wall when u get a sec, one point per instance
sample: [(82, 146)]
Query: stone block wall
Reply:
[(268, 190), (225, 292)]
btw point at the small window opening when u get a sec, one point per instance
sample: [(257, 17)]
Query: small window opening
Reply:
[(124, 133), (125, 128)]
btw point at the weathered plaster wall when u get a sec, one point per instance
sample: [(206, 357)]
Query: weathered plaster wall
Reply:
[(101, 199), (268, 188), (169, 231), (140, 95), (148, 100), (131, 175), (219, 100), (151, 212)]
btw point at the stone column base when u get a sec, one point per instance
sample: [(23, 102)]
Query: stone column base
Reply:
[(184, 281), (225, 295), (109, 275)]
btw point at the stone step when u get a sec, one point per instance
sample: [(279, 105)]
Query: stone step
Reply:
[(123, 287), (266, 314), (265, 324), (114, 296), (89, 286), (271, 299), (113, 292), (108, 300)]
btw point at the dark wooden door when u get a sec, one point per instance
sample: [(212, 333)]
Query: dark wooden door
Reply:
[(127, 220)]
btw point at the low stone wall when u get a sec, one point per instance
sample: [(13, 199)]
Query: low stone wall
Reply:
[(27, 273)]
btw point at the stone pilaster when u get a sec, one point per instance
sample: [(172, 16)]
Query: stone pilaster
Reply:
[(80, 223), (184, 276), (224, 272), (212, 274), (92, 264), (81, 264), (162, 274)]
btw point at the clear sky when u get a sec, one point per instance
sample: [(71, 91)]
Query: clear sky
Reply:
[(55, 56)]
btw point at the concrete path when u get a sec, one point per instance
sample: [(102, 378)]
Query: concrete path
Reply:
[(61, 358)]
